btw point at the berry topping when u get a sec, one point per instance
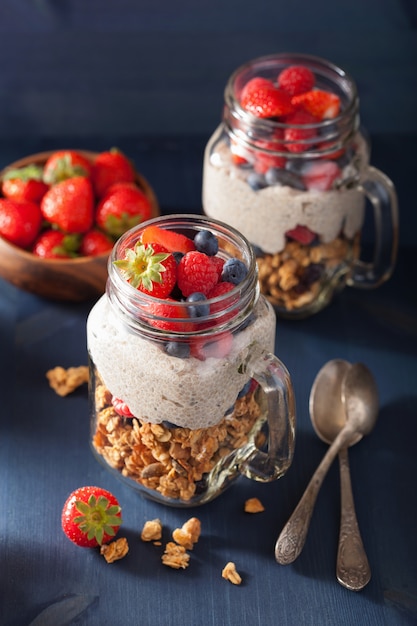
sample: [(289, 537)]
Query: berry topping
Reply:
[(296, 79), (234, 271), (196, 272), (261, 98), (91, 517), (321, 175), (121, 407), (169, 316), (201, 308), (278, 176), (206, 242), (149, 268), (299, 139), (302, 234), (172, 241), (321, 104)]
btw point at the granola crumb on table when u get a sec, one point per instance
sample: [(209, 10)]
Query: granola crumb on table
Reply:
[(152, 530), (188, 534), (175, 556), (115, 550), (254, 505), (230, 573), (65, 381)]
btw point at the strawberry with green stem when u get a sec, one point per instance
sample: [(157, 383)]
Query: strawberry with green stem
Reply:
[(91, 517), (150, 268), (64, 164), (24, 184)]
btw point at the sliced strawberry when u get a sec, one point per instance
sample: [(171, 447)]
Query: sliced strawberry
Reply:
[(296, 79), (172, 241), (261, 98), (297, 139), (121, 407), (302, 234), (321, 175), (321, 104)]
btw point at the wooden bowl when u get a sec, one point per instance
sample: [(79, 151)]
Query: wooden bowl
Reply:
[(75, 280)]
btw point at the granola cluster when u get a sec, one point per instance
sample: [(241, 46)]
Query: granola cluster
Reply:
[(115, 550), (65, 381), (231, 574), (170, 460), (293, 278), (254, 505)]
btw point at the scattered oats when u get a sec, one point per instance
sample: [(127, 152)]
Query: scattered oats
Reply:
[(65, 381), (115, 550), (152, 530), (175, 556), (254, 505), (230, 573), (189, 534)]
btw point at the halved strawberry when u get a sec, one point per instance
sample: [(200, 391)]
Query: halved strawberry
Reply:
[(172, 241), (321, 175), (150, 268), (261, 98), (321, 104), (302, 234), (91, 517)]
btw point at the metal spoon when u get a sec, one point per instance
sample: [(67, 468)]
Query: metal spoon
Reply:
[(352, 568), (360, 398)]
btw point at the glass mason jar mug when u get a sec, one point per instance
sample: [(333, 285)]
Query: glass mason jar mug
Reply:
[(293, 176), (185, 392)]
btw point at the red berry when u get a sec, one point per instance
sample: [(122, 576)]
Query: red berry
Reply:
[(20, 222), (217, 347), (54, 244), (94, 242), (296, 137), (321, 175), (24, 184), (65, 164), (265, 160), (109, 168), (168, 316), (321, 104), (261, 98), (296, 79), (150, 268), (196, 272), (121, 407), (91, 517), (123, 207), (302, 234), (172, 241), (216, 307), (218, 262), (69, 205)]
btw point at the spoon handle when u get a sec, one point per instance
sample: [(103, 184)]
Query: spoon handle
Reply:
[(292, 538), (352, 568)]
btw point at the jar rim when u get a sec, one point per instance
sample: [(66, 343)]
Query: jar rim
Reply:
[(135, 306)]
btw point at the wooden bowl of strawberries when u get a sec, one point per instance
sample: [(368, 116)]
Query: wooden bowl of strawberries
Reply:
[(60, 214)]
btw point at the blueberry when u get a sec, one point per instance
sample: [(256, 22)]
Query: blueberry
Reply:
[(234, 271), (256, 181), (279, 176), (177, 256), (201, 308), (312, 273), (247, 322), (178, 349), (206, 242), (297, 166)]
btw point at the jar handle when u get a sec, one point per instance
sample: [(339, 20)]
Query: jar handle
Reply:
[(275, 383), (380, 192)]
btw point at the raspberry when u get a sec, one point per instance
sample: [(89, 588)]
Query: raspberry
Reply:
[(196, 272), (296, 79)]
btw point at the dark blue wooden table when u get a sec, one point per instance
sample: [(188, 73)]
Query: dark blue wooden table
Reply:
[(44, 454)]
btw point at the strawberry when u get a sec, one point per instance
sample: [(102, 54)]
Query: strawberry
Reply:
[(321, 175), (94, 242), (111, 167), (121, 407), (216, 307), (172, 241), (150, 268), (302, 234), (54, 244), (321, 104), (20, 222), (296, 137), (296, 79), (24, 184), (122, 207), (261, 98), (69, 205), (168, 316), (196, 272), (265, 160), (65, 164), (91, 517)]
